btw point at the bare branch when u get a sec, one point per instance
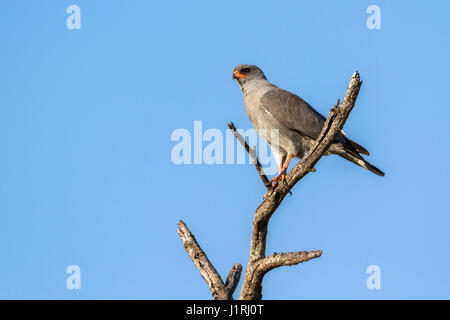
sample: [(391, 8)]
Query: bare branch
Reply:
[(253, 156), (276, 260), (252, 286), (259, 264), (207, 270), (233, 278)]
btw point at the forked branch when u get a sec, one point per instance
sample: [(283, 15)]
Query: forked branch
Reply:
[(259, 264), (219, 290)]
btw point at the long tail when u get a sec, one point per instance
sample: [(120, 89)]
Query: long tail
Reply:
[(360, 161)]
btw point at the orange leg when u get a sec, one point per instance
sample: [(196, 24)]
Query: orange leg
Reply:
[(282, 171), (280, 168), (288, 160)]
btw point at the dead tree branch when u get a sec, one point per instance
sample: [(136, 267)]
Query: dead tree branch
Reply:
[(276, 260), (233, 279), (252, 286), (253, 156), (219, 290), (259, 264)]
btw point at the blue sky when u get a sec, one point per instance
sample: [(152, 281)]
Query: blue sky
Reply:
[(86, 176)]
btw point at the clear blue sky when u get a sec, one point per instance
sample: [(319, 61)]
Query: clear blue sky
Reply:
[(86, 176)]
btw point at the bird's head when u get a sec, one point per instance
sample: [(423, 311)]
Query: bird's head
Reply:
[(246, 72)]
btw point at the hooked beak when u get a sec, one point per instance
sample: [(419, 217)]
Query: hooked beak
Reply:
[(238, 75)]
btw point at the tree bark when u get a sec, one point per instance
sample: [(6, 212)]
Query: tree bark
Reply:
[(219, 290)]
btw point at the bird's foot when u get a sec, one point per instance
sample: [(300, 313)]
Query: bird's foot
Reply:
[(279, 178)]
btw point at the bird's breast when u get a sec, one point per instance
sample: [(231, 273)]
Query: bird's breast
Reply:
[(251, 102), (278, 135)]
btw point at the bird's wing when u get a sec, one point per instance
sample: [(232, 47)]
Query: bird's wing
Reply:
[(293, 112)]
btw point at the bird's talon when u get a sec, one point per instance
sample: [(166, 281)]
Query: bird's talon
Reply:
[(276, 180)]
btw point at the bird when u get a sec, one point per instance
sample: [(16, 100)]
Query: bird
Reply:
[(288, 123)]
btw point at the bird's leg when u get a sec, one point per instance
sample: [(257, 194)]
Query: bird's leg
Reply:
[(282, 171)]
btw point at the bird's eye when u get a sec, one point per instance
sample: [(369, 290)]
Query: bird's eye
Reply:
[(246, 70)]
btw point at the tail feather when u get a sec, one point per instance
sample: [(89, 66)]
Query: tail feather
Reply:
[(359, 147), (360, 161)]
